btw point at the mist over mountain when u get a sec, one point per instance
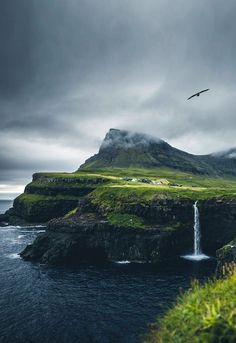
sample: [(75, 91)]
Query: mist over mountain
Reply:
[(121, 148), (127, 139), (231, 153)]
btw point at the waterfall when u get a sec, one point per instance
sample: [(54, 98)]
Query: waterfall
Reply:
[(197, 252), (197, 231)]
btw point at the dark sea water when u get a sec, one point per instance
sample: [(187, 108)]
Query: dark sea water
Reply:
[(5, 205), (108, 304)]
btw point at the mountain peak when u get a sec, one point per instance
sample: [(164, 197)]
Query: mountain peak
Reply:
[(124, 139), (124, 149)]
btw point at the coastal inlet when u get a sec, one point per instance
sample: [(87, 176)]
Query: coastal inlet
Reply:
[(110, 303)]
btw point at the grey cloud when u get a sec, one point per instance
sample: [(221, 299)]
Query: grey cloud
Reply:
[(71, 69), (127, 139), (14, 32)]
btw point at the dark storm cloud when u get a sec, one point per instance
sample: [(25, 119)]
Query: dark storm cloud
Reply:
[(14, 46), (71, 69)]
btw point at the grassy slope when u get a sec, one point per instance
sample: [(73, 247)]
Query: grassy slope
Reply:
[(203, 314), (173, 176), (113, 192), (115, 189), (125, 220), (193, 187), (34, 198)]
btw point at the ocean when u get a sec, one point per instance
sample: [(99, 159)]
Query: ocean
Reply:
[(113, 303), (5, 205)]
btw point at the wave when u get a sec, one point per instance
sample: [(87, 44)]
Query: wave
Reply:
[(15, 227), (13, 256), (34, 231), (133, 262), (122, 262)]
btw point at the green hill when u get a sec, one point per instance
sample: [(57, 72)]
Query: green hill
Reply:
[(129, 167), (125, 149)]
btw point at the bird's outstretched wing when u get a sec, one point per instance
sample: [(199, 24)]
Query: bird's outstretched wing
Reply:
[(204, 90), (198, 93), (192, 96)]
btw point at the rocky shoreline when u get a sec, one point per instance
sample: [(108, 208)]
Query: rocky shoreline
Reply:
[(87, 236)]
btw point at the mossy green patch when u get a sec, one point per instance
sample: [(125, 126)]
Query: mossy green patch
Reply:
[(114, 197), (34, 198), (205, 314), (75, 176), (71, 213), (125, 220), (58, 184)]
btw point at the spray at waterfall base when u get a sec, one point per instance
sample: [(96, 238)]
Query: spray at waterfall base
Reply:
[(197, 251)]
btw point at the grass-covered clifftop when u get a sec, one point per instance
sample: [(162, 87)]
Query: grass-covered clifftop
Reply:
[(51, 195), (204, 314), (54, 194)]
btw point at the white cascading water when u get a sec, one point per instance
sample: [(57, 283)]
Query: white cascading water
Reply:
[(197, 252), (197, 231)]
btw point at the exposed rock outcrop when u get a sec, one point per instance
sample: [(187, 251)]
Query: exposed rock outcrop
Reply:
[(88, 238), (51, 196), (4, 218), (43, 209), (226, 259), (218, 223)]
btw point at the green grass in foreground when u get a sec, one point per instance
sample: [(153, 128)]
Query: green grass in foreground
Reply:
[(205, 314)]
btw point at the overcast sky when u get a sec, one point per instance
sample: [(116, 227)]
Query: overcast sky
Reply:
[(72, 69)]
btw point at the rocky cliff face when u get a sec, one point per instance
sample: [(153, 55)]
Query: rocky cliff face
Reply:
[(89, 237), (226, 259), (218, 219), (51, 196)]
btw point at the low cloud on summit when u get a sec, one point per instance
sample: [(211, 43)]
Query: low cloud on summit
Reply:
[(127, 139), (72, 69)]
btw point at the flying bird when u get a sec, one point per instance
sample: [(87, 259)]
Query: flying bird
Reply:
[(198, 93)]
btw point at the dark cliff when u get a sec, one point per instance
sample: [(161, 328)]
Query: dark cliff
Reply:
[(167, 234), (82, 239)]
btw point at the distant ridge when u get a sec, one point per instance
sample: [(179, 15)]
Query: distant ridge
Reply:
[(123, 149)]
